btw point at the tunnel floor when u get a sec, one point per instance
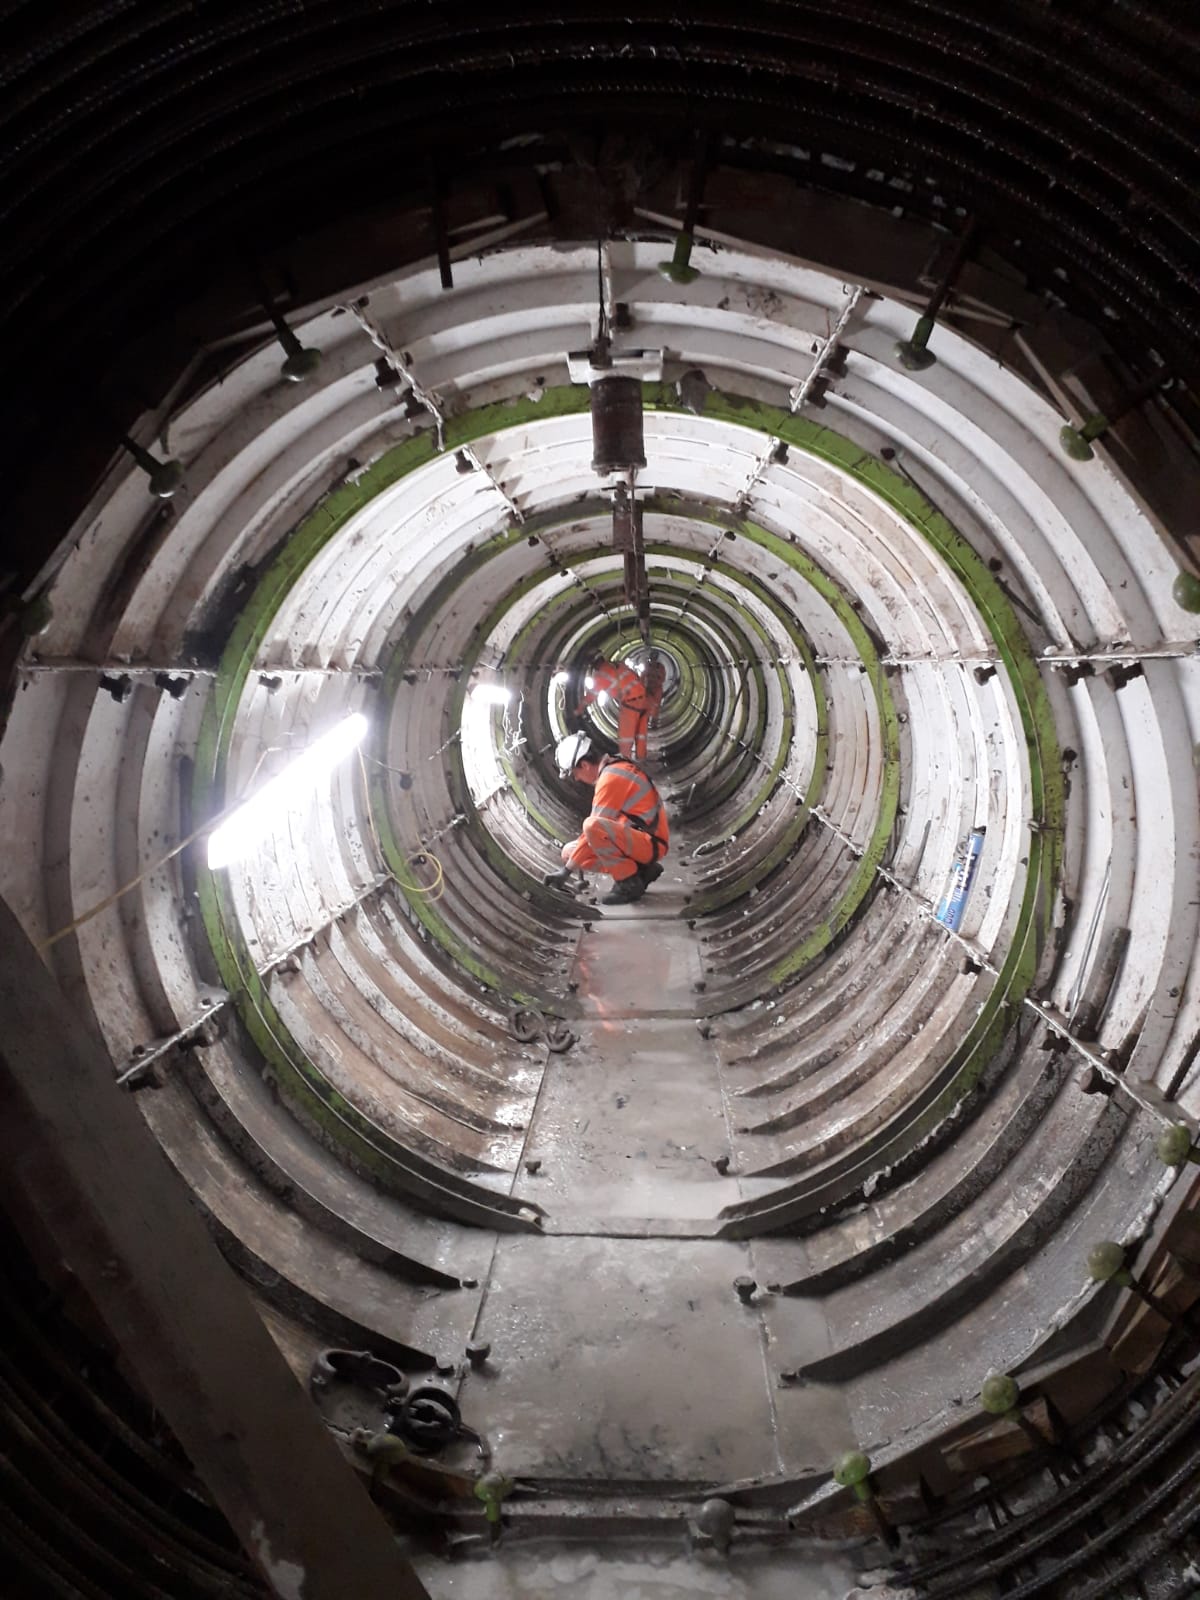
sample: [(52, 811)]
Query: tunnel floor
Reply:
[(617, 1311), (629, 1123), (633, 1126)]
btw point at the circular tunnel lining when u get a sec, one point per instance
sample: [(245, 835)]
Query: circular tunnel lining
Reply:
[(856, 695)]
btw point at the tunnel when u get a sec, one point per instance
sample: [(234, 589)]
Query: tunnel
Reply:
[(826, 1214)]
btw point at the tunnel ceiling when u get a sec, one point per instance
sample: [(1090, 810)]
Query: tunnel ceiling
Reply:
[(901, 624), (149, 150)]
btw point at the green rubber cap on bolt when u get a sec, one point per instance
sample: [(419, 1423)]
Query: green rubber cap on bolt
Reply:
[(1174, 1145), (853, 1469), (165, 478), (493, 1488), (1106, 1262), (914, 353), (36, 616), (1075, 444), (679, 268), (300, 364), (1185, 591), (999, 1394)]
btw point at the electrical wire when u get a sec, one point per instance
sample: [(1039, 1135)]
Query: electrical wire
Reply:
[(434, 890), (118, 894)]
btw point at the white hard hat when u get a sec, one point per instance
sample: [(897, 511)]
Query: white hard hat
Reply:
[(569, 752)]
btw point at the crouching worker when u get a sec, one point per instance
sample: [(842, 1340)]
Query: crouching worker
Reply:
[(626, 833)]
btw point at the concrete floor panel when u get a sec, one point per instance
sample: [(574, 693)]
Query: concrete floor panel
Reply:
[(623, 1360), (628, 1125)]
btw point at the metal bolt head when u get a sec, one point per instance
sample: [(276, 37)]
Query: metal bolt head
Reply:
[(716, 1518), (1105, 1260), (999, 1394), (915, 357), (478, 1350), (533, 1165), (165, 479), (745, 1288), (852, 1469)]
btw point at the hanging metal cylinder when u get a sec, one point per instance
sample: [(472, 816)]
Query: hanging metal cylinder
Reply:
[(618, 444)]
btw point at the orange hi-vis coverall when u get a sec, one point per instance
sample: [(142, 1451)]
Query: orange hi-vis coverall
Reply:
[(627, 827), (655, 681), (629, 695)]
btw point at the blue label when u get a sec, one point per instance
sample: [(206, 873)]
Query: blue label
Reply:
[(962, 875)]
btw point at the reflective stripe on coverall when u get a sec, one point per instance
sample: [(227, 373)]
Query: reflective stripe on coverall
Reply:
[(628, 693), (610, 842)]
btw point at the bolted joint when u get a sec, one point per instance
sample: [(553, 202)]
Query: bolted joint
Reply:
[(35, 615), (716, 1519), (1175, 1146), (1074, 441), (301, 363), (679, 268), (165, 476), (1106, 1263), (853, 1471), (914, 353), (492, 1489), (744, 1288), (999, 1395)]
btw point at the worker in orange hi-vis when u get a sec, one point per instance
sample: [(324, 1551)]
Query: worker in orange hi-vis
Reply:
[(654, 676), (626, 834), (621, 684)]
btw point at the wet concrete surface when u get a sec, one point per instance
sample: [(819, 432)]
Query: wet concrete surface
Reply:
[(623, 1360), (587, 1572), (630, 1122), (629, 1125), (620, 1350)]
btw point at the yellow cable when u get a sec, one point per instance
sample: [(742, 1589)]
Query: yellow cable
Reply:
[(434, 890), (117, 894)]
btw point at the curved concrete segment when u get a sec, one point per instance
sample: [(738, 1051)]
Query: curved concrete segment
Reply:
[(893, 624)]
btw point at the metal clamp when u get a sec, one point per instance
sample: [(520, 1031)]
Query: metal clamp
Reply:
[(528, 1025), (358, 1367)]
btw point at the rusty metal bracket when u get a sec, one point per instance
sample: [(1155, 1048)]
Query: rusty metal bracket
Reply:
[(529, 1025), (359, 1367)]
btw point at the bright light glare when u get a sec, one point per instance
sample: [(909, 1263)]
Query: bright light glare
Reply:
[(250, 824), (589, 682), (490, 694), (602, 697), (561, 677)]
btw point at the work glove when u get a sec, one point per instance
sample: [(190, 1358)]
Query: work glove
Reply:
[(559, 879)]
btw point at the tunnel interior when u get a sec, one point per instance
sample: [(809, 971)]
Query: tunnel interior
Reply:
[(687, 1202)]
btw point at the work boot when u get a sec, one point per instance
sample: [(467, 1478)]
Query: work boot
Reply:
[(625, 891), (651, 871), (559, 879)]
